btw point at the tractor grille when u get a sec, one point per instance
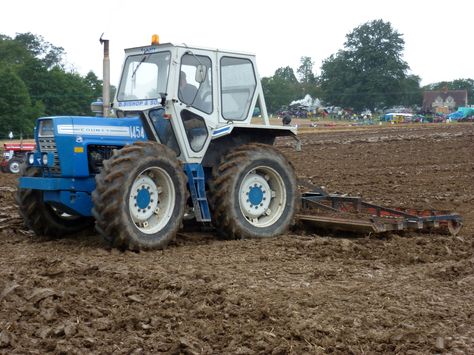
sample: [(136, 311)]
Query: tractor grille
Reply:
[(48, 144)]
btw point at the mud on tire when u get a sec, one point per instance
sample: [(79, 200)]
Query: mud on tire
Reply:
[(139, 200), (253, 193), (41, 217)]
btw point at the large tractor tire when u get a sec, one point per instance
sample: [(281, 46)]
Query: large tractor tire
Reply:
[(253, 193), (140, 197), (14, 165), (44, 219)]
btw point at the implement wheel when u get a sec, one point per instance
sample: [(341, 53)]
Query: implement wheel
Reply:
[(139, 199), (43, 218), (253, 193)]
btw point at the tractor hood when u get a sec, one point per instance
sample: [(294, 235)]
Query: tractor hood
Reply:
[(100, 128), (69, 139)]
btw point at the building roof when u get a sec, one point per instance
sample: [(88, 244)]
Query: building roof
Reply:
[(459, 97)]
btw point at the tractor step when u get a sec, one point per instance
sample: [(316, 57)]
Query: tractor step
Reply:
[(352, 214), (197, 188)]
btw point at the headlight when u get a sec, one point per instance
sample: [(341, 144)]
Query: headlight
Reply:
[(44, 158), (46, 128), (31, 158)]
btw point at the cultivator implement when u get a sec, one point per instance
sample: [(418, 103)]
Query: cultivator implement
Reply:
[(352, 214)]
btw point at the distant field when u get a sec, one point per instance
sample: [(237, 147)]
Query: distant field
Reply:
[(307, 292)]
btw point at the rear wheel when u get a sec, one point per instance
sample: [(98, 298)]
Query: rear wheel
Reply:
[(44, 219), (14, 165), (139, 199), (253, 193)]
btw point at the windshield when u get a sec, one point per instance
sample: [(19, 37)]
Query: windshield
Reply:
[(144, 76)]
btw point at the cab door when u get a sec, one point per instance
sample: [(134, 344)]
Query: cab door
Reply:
[(195, 103)]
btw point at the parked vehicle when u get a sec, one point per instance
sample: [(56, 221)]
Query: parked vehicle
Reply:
[(14, 154)]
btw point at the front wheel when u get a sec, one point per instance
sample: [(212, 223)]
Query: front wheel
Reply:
[(253, 193), (139, 199), (43, 218)]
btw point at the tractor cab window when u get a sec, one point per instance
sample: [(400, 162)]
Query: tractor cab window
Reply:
[(195, 82), (238, 85), (144, 76), (163, 129)]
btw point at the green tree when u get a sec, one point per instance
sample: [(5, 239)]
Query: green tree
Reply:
[(49, 55), (411, 93), (68, 94), (286, 74), (94, 84), (309, 81), (52, 89), (369, 71), (15, 105), (280, 89), (12, 53), (305, 71)]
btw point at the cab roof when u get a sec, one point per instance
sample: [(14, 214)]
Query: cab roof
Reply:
[(156, 47)]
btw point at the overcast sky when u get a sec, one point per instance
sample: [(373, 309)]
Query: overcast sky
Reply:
[(437, 34)]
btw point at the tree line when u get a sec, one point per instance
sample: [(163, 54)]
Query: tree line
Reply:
[(34, 82), (368, 73)]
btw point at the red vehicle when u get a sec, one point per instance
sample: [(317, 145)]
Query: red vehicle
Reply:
[(13, 155)]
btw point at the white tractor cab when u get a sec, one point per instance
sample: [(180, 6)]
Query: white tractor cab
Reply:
[(181, 147), (204, 94)]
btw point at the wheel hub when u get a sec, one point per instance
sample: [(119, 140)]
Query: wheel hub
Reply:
[(143, 198), (255, 195), (15, 167)]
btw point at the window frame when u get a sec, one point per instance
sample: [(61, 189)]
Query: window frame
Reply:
[(252, 94), (140, 55), (210, 80)]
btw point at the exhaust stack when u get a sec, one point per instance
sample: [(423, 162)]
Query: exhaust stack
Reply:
[(106, 78)]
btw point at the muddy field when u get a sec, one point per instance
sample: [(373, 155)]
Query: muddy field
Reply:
[(305, 292)]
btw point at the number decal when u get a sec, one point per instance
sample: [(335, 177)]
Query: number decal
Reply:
[(137, 132)]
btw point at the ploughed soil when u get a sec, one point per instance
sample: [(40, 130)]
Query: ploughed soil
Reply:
[(306, 292)]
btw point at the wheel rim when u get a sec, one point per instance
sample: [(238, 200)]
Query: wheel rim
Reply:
[(262, 196), (15, 167), (152, 199)]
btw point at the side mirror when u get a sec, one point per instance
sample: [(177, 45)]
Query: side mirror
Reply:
[(201, 72)]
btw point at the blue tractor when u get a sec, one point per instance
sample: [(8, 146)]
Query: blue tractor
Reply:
[(179, 141)]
